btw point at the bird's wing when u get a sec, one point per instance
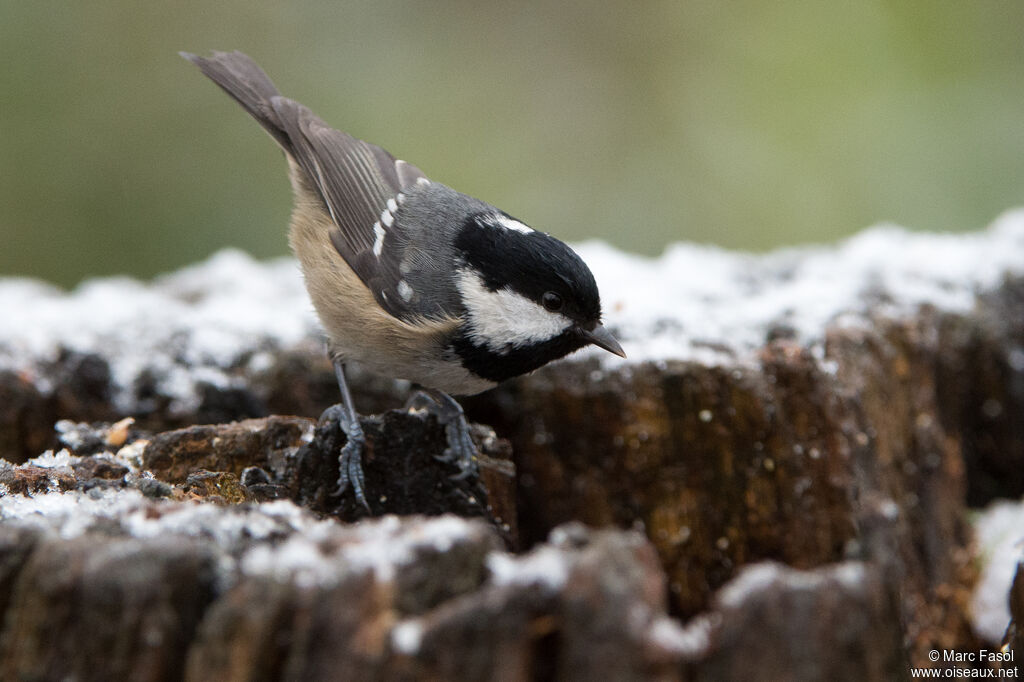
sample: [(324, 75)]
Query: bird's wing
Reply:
[(361, 186), (359, 183)]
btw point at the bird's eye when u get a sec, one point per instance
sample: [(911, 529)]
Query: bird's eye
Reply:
[(552, 301)]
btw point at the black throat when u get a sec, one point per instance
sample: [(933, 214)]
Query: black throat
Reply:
[(499, 366)]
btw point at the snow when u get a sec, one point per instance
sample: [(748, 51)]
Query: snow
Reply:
[(69, 433), (694, 299), (51, 460), (298, 558), (386, 544), (277, 540), (74, 513), (546, 567), (999, 533), (770, 576), (69, 514), (185, 328), (380, 546), (696, 303), (690, 640), (407, 636)]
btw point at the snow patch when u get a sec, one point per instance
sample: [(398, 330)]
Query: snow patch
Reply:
[(387, 543), (69, 433), (407, 636), (693, 303), (545, 566), (49, 460), (690, 640), (298, 558), (768, 576), (715, 306), (999, 533), (72, 514), (183, 329), (380, 546)]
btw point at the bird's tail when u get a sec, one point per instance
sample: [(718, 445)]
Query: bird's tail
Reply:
[(239, 76)]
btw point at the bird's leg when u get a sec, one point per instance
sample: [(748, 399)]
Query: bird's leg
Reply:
[(351, 460), (461, 450)]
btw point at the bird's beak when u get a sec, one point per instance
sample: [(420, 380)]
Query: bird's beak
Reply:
[(601, 337)]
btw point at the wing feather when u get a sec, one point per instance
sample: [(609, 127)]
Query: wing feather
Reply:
[(354, 179)]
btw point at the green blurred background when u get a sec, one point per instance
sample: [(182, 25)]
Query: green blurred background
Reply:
[(747, 124)]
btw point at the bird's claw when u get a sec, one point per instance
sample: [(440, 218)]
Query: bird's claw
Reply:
[(350, 472), (461, 450), (350, 462)]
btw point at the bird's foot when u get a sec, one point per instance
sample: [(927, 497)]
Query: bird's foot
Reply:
[(461, 450), (350, 462)]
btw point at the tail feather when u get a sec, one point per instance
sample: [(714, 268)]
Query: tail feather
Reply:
[(246, 83)]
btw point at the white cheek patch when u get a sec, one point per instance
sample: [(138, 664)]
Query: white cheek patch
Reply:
[(500, 319)]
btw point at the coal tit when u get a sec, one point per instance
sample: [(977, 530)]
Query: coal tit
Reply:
[(410, 278)]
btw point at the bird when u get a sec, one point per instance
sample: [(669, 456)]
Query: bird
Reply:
[(410, 278)]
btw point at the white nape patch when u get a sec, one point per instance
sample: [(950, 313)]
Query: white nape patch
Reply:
[(378, 243), (387, 218), (422, 181), (500, 319), (511, 224), (392, 205), (404, 290)]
